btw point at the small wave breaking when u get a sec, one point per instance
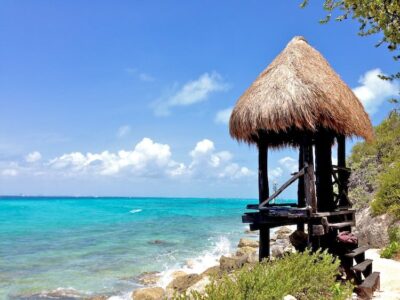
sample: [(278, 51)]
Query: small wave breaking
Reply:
[(199, 264), (134, 211)]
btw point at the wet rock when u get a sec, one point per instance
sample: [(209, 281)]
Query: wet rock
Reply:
[(153, 293), (232, 263), (248, 243), (98, 297), (213, 271), (182, 283), (177, 274), (157, 242), (148, 278)]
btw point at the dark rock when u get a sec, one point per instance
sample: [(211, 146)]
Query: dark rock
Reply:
[(182, 283), (148, 278)]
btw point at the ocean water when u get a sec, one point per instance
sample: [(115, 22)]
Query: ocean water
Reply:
[(71, 248)]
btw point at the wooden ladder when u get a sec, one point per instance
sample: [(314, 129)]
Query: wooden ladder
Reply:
[(366, 280)]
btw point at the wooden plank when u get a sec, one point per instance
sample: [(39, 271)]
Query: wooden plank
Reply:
[(370, 284), (282, 188), (357, 251), (361, 267), (341, 225), (333, 213)]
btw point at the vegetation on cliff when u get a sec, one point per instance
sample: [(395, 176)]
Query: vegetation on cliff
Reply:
[(376, 169), (303, 275), (375, 179)]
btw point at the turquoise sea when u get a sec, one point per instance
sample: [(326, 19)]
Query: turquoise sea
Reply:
[(71, 248)]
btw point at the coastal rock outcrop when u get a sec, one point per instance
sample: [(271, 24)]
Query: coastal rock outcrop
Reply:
[(247, 243), (182, 283), (148, 278), (232, 263), (153, 293), (372, 231)]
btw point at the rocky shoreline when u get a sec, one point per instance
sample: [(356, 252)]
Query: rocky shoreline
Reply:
[(181, 282)]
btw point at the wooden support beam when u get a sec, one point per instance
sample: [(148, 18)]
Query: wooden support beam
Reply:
[(282, 188), (263, 192), (309, 178), (301, 202), (323, 171), (343, 176)]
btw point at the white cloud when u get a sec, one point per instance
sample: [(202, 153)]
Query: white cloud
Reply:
[(140, 75), (223, 116), (33, 157), (192, 92), (9, 172), (123, 131), (151, 159), (275, 173), (289, 163), (373, 91), (206, 162), (146, 77), (146, 159)]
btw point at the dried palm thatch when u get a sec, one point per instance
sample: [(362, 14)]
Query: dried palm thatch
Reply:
[(298, 93)]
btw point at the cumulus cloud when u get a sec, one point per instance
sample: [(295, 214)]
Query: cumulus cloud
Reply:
[(9, 172), (192, 92), (373, 91), (289, 163), (275, 173), (223, 116), (33, 157), (207, 162), (151, 159), (123, 131)]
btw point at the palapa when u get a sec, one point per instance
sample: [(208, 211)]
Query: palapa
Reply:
[(298, 93)]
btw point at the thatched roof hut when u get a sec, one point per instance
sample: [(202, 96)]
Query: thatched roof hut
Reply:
[(298, 92)]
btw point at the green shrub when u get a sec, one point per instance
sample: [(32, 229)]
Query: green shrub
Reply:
[(391, 251), (303, 275), (387, 198)]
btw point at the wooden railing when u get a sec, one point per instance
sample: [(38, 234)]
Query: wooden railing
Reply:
[(296, 176)]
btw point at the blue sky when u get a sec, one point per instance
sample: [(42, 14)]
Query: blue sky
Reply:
[(131, 97)]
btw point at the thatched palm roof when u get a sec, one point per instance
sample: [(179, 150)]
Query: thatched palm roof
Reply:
[(298, 92)]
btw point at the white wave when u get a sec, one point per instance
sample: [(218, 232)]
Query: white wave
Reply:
[(199, 264), (134, 211), (126, 296)]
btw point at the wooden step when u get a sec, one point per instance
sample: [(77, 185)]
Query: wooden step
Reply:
[(357, 251), (361, 267), (372, 283), (341, 225)]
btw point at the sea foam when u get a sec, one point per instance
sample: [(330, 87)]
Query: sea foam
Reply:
[(199, 264)]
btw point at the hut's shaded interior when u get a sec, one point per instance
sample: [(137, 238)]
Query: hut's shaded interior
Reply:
[(299, 101)]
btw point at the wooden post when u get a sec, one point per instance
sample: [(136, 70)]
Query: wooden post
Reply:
[(309, 179), (300, 187), (263, 192), (343, 176), (323, 171)]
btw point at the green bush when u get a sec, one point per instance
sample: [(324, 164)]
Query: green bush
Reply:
[(391, 251), (394, 247), (387, 198), (303, 275)]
